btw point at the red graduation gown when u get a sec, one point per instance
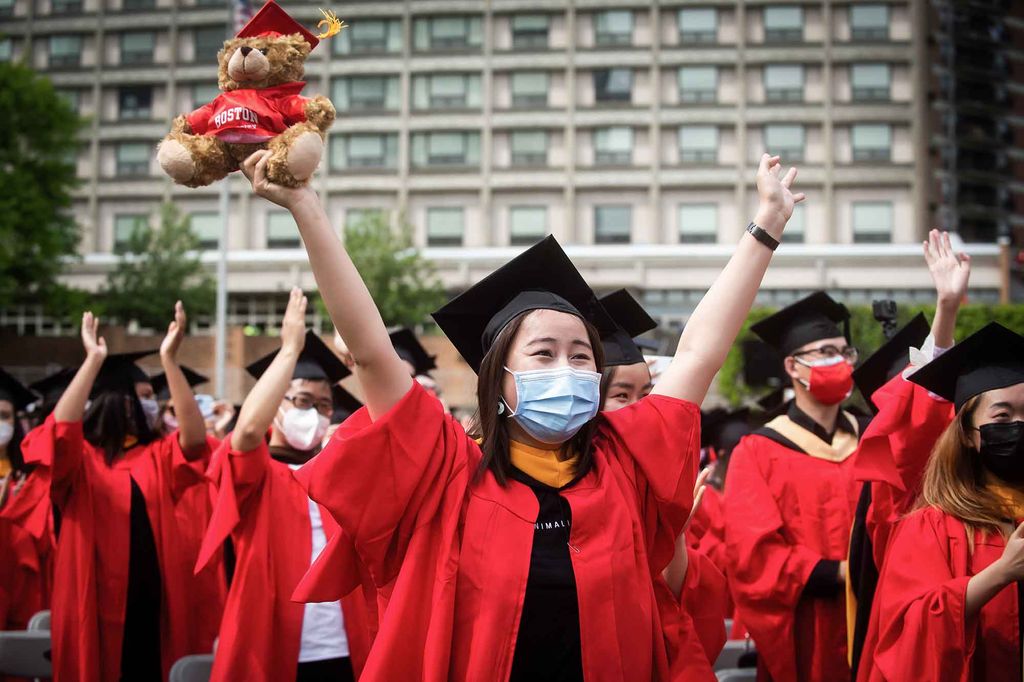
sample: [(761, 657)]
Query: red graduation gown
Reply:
[(784, 512), (26, 551), (91, 571), (922, 633), (705, 596), (707, 536), (265, 512), (450, 551)]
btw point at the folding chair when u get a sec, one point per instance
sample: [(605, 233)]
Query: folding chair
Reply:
[(25, 653), (39, 621), (192, 669), (737, 675), (732, 652)]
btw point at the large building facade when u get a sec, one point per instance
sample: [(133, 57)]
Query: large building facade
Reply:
[(629, 129)]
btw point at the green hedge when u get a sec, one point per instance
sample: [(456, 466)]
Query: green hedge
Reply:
[(867, 337)]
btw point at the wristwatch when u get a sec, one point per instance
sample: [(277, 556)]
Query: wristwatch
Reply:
[(762, 236)]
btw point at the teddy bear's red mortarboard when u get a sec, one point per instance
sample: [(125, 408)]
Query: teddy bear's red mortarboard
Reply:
[(273, 21)]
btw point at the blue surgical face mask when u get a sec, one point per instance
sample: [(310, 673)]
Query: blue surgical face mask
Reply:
[(553, 404)]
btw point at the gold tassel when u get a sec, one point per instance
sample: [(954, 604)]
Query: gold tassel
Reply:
[(334, 24)]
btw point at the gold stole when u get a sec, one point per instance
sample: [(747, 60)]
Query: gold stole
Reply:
[(542, 465), (842, 446)]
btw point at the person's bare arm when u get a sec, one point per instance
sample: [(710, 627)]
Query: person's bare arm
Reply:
[(951, 273), (191, 425), (71, 406)]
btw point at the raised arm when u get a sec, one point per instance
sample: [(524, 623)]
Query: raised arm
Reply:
[(380, 371), (261, 405), (950, 272), (191, 425), (71, 406), (713, 326)]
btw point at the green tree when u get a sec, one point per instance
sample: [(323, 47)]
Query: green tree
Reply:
[(156, 268), (403, 284), (37, 174)]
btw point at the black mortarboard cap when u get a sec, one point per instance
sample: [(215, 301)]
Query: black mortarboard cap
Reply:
[(119, 372), (540, 278), (316, 362), (345, 404), (810, 319), (53, 386), (723, 428), (986, 360), (772, 404), (13, 390), (193, 377), (631, 320), (412, 351), (891, 359)]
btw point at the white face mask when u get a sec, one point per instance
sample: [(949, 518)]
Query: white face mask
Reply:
[(6, 433), (303, 429), (150, 408)]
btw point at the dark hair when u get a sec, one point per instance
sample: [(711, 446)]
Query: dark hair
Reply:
[(14, 447), (607, 378), (492, 428), (107, 423)]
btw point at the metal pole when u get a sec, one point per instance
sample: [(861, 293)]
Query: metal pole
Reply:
[(220, 353)]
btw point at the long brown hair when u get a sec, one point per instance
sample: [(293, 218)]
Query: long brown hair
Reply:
[(954, 481), (492, 428)]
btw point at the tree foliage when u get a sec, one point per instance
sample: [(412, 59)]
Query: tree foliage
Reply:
[(156, 268), (403, 284), (37, 174)]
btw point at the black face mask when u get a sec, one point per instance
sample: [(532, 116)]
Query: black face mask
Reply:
[(1002, 450)]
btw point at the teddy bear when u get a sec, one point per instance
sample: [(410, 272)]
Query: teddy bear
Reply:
[(260, 78)]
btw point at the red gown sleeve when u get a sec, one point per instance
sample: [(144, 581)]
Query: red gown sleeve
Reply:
[(922, 631), (382, 479), (705, 596), (199, 120), (293, 108), (59, 447)]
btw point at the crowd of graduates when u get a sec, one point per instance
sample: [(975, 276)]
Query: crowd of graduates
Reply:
[(588, 523)]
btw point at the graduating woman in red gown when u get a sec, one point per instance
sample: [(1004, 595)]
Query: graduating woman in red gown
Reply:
[(948, 603), (132, 508), (535, 553)]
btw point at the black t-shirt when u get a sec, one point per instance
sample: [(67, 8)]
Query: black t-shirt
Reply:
[(548, 642)]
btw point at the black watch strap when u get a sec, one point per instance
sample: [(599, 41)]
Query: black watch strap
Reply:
[(762, 236)]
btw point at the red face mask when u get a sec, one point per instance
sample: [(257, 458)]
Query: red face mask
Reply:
[(830, 384)]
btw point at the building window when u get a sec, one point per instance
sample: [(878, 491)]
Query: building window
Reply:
[(529, 89), (364, 150), (369, 36), (784, 83), (783, 24), (698, 26), (65, 51), (65, 6), (613, 27), (529, 147), (204, 93), (871, 142), (73, 98), (442, 149), (613, 146), (796, 227), (138, 4), (870, 82), (444, 226), (209, 3), (207, 42), (527, 224), (125, 225), (613, 85), (698, 223), (872, 222), (358, 217), (530, 31), (613, 224), (447, 33), (698, 144), (133, 158), (446, 91), (137, 47), (785, 140), (869, 22), (135, 103), (698, 84), (206, 225), (366, 93), (6, 49), (282, 232), (6, 8)]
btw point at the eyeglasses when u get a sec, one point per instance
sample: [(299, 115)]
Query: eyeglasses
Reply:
[(848, 353), (305, 402)]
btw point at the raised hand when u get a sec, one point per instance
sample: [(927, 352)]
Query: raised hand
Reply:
[(95, 346), (293, 328), (776, 195), (175, 333), (950, 271), (255, 169), (698, 495)]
